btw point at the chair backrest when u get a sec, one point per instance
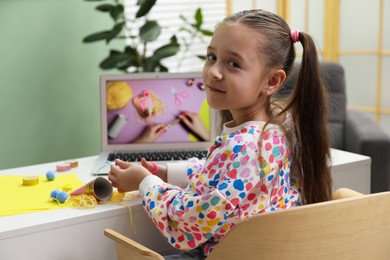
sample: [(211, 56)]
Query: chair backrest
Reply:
[(334, 79), (353, 228)]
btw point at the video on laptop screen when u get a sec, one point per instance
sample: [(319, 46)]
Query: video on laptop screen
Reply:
[(147, 110)]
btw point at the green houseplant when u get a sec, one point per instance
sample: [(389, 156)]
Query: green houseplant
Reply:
[(136, 57)]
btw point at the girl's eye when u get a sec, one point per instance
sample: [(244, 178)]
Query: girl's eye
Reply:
[(233, 64), (211, 57)]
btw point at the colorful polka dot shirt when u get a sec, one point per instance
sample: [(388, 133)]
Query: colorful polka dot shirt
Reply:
[(246, 173)]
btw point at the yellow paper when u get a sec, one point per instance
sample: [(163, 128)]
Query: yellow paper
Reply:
[(15, 198)]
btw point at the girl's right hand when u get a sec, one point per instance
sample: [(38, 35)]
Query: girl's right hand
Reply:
[(161, 171)]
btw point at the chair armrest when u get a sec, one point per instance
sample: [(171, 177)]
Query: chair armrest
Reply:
[(364, 136), (127, 248)]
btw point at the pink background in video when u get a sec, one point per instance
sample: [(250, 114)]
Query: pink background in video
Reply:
[(177, 97)]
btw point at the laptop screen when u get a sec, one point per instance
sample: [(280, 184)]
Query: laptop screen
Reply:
[(140, 111)]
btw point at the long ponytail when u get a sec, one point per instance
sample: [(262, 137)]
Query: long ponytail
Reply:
[(309, 105)]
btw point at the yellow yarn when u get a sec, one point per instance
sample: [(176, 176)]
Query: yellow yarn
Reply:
[(84, 201), (117, 196)]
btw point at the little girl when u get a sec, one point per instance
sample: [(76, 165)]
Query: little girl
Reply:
[(272, 154)]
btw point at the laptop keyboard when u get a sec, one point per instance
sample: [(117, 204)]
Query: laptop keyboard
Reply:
[(157, 156)]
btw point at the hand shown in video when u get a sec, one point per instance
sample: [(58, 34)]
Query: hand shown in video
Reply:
[(194, 124), (190, 121), (150, 133)]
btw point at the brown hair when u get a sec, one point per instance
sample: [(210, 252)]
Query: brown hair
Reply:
[(308, 101)]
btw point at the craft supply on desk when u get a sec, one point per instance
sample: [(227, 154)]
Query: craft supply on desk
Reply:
[(82, 201), (67, 165), (73, 163), (63, 167), (100, 188), (50, 175), (30, 180), (53, 193), (60, 196), (67, 187), (85, 201), (118, 197), (16, 198)]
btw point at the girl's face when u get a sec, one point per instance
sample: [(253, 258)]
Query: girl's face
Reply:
[(234, 73)]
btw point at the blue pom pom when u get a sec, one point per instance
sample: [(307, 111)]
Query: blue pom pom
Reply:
[(62, 196), (54, 193), (50, 175)]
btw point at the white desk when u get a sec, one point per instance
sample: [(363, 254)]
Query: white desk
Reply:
[(350, 170), (70, 234)]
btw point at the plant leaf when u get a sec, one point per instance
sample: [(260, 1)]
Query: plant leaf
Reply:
[(116, 30), (174, 39), (118, 60), (150, 64), (166, 51), (94, 0), (145, 7), (185, 30), (162, 68), (117, 12), (150, 31), (131, 50), (104, 35), (183, 18), (202, 57), (206, 32), (104, 7), (198, 18)]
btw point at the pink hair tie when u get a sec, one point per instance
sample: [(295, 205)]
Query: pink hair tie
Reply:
[(294, 36), (155, 169)]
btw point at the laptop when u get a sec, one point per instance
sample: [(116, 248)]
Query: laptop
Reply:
[(131, 105)]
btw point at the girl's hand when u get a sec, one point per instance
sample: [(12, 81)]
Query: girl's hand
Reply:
[(127, 176), (161, 169)]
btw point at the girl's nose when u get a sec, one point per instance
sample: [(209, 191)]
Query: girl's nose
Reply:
[(214, 72)]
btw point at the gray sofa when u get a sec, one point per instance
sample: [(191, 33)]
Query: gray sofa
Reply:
[(352, 130)]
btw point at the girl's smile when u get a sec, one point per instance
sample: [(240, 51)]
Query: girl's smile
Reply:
[(213, 89)]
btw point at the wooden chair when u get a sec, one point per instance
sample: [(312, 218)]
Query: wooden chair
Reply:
[(128, 249), (351, 226)]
